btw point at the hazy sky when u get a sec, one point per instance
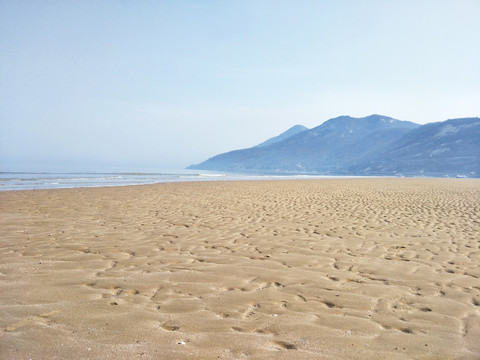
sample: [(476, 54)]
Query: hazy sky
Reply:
[(163, 84)]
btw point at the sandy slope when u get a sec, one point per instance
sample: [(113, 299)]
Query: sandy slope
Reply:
[(366, 269)]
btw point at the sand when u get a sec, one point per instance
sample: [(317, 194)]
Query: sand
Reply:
[(324, 269)]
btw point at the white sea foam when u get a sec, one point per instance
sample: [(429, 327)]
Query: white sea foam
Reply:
[(32, 181), (212, 175)]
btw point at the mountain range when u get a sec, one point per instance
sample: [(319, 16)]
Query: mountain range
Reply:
[(372, 145)]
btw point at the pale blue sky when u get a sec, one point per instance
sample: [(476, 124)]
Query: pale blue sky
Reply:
[(163, 84)]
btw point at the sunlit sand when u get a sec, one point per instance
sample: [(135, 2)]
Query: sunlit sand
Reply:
[(326, 269)]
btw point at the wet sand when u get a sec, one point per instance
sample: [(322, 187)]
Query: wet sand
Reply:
[(305, 269)]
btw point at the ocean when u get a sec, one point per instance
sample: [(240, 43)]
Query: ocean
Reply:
[(10, 181)]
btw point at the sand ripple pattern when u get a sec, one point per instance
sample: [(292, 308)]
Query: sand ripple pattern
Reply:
[(329, 269)]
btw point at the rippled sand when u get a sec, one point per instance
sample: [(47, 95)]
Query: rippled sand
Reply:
[(329, 269)]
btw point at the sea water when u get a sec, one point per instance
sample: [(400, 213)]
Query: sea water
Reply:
[(44, 180)]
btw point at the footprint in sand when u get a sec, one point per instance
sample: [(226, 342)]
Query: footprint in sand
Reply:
[(168, 326), (285, 345), (251, 310)]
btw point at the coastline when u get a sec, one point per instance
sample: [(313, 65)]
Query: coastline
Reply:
[(335, 268), (12, 181)]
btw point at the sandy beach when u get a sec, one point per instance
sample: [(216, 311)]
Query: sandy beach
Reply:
[(304, 269)]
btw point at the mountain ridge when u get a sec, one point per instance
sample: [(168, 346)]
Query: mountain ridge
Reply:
[(371, 145), (286, 134)]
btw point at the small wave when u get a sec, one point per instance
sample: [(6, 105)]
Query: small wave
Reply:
[(212, 175)]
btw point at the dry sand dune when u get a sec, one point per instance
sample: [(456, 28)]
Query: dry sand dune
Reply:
[(331, 269)]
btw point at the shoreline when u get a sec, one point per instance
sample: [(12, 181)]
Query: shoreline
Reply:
[(206, 178), (332, 268), (212, 178)]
